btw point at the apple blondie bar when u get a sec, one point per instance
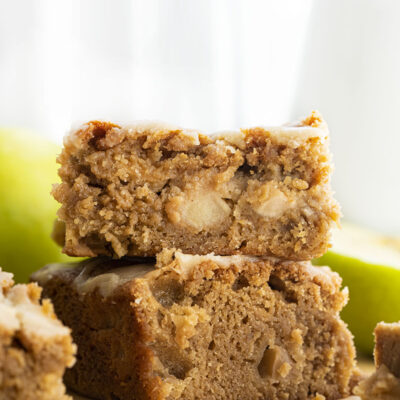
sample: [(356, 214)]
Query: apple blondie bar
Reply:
[(203, 327), (136, 189), (35, 348)]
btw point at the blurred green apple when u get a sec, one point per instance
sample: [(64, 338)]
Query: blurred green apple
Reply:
[(369, 264), (27, 210)]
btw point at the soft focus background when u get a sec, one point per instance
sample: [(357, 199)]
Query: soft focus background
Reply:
[(209, 64)]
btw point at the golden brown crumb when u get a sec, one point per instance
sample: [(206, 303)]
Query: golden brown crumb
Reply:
[(381, 385)]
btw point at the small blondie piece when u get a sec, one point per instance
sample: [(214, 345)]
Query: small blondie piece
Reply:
[(203, 327), (136, 189), (387, 346), (384, 383), (35, 348)]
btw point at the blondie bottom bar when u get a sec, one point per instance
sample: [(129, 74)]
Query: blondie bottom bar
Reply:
[(203, 327), (134, 190), (35, 348)]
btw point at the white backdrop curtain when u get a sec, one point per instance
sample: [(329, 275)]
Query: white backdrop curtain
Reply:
[(205, 64)]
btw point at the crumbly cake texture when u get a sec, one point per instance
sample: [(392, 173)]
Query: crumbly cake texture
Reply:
[(387, 346), (381, 385), (136, 189), (203, 327), (35, 348)]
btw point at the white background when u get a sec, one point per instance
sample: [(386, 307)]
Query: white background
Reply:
[(217, 64)]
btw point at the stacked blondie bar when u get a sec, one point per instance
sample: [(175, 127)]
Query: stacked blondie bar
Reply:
[(199, 283)]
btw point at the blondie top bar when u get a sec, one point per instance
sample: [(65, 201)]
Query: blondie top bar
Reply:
[(35, 348), (203, 327), (136, 189)]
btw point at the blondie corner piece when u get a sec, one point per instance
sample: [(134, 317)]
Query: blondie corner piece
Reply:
[(136, 189), (35, 348), (203, 327)]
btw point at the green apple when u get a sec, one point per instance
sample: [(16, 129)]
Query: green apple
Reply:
[(369, 264), (27, 210)]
